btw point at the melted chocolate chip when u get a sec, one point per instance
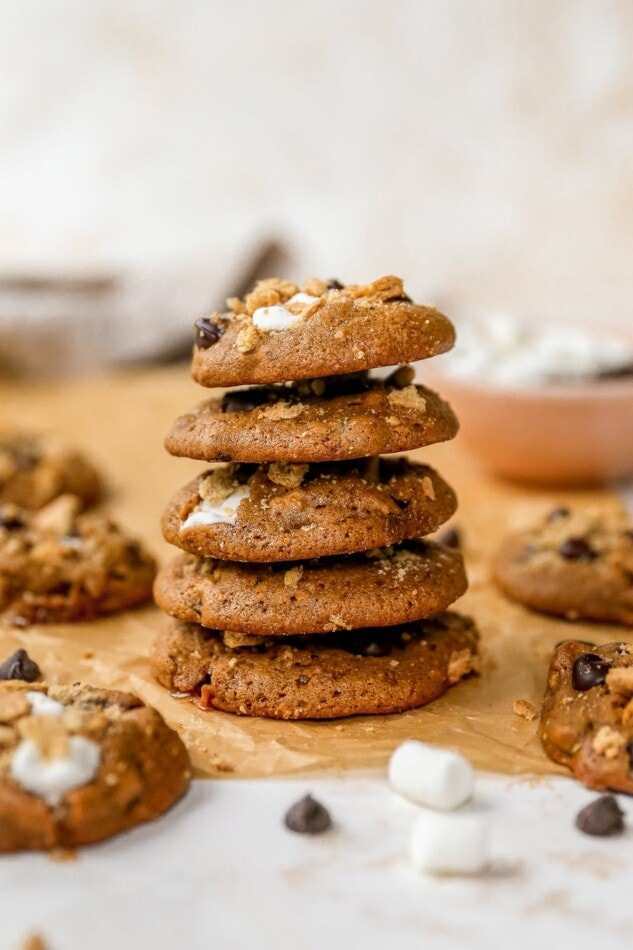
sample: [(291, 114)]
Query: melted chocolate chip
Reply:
[(558, 513), (334, 284), (308, 817), (20, 666), (206, 332), (577, 549), (451, 538), (400, 298), (589, 670), (601, 817), (243, 400)]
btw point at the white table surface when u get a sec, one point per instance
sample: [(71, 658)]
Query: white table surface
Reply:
[(221, 871)]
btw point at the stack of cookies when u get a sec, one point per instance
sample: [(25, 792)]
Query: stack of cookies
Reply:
[(304, 589)]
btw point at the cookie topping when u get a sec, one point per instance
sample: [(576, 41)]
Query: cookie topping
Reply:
[(308, 817), (50, 778), (558, 514), (601, 817), (589, 670), (290, 476), (577, 549), (221, 511), (20, 666), (207, 332), (43, 705), (334, 284)]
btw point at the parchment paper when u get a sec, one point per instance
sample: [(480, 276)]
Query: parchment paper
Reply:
[(121, 421)]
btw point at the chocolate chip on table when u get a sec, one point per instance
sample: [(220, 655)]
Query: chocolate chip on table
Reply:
[(558, 513), (589, 670), (577, 549), (334, 284), (207, 332), (308, 817), (451, 538), (20, 666), (601, 817)]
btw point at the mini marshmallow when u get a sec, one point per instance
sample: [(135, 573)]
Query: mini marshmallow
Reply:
[(275, 318), (223, 513), (50, 779), (429, 776), (449, 844), (43, 705)]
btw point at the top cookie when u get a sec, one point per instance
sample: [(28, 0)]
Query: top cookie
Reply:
[(280, 332), (31, 474)]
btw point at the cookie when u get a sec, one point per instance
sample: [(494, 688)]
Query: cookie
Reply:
[(319, 420), (286, 512), (58, 565), (343, 674), (279, 333), (78, 765), (587, 717), (576, 565), (31, 475), (380, 588)]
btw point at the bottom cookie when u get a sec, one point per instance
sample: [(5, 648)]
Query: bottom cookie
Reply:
[(78, 765), (587, 718), (324, 677)]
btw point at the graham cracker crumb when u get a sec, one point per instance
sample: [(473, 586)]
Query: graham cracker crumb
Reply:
[(269, 292), (293, 576), (247, 339), (382, 289), (13, 705), (236, 305), (235, 640), (218, 485), (407, 398), (460, 664), (280, 410), (427, 488), (287, 474), (314, 286), (48, 733), (608, 742), (525, 709), (620, 680), (337, 623)]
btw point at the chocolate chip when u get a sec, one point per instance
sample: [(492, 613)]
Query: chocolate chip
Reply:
[(451, 538), (243, 400), (20, 666), (577, 549), (308, 817), (616, 372), (629, 750), (334, 284), (558, 513), (11, 520), (589, 670), (207, 332), (601, 817)]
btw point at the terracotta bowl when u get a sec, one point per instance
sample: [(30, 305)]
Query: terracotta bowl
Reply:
[(571, 434)]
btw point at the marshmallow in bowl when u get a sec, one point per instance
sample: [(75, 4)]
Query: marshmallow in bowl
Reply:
[(429, 776), (506, 351), (277, 317)]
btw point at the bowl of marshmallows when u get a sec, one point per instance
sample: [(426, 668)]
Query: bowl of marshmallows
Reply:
[(543, 403)]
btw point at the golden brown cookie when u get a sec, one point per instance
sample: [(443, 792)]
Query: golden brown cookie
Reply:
[(576, 565), (319, 420), (78, 765), (286, 512), (375, 589), (32, 474), (587, 718), (58, 565), (342, 674), (279, 332)]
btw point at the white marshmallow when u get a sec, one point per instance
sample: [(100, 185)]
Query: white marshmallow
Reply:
[(450, 844), (302, 298), (438, 778), (50, 779), (43, 705), (223, 513), (275, 318)]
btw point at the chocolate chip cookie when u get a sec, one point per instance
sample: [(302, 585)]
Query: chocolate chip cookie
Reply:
[(280, 332), (587, 718), (78, 765), (576, 565), (342, 674), (58, 565), (287, 512), (319, 420), (373, 589), (32, 474)]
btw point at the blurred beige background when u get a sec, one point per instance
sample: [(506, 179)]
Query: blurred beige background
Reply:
[(481, 148)]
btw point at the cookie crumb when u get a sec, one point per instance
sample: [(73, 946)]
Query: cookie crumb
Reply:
[(314, 286), (407, 398), (608, 742), (620, 680), (293, 576), (460, 665), (235, 640), (287, 474), (525, 709), (280, 410), (216, 487), (247, 339)]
